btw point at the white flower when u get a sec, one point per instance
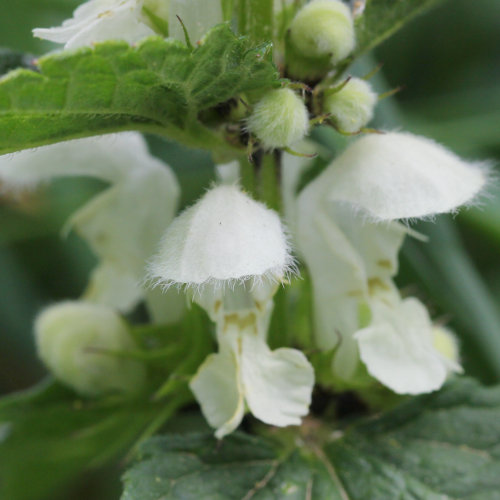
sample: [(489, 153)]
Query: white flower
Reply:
[(124, 223), (231, 252), (100, 20), (348, 234)]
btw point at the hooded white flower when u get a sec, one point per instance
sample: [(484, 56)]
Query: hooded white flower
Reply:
[(348, 234), (124, 223), (100, 20), (232, 252)]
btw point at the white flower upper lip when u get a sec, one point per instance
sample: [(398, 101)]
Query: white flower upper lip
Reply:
[(225, 237), (400, 176), (99, 20)]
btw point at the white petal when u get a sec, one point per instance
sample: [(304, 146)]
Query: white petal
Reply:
[(225, 236), (278, 384), (123, 226), (114, 287), (97, 21), (337, 271), (198, 17), (218, 390), (398, 350), (108, 157), (400, 176)]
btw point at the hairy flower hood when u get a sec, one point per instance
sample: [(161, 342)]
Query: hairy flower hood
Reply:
[(225, 238)]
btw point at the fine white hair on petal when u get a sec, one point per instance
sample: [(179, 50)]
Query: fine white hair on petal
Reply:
[(225, 238), (401, 176)]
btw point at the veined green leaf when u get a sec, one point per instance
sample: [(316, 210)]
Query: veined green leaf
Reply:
[(159, 86), (382, 18), (434, 447)]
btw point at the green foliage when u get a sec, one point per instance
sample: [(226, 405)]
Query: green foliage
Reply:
[(194, 466), (382, 18), (451, 277), (158, 86), (10, 60), (443, 445), (48, 436)]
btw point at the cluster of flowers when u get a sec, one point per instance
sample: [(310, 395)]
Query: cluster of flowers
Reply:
[(230, 253)]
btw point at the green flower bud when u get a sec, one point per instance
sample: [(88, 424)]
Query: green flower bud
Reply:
[(279, 119), (72, 339), (352, 106), (323, 28)]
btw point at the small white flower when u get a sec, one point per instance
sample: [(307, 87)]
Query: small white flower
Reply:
[(100, 20), (124, 223), (231, 252), (348, 234)]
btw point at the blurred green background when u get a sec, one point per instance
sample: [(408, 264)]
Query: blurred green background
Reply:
[(449, 64)]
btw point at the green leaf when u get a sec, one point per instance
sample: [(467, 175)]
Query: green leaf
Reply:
[(48, 436), (382, 18), (195, 466), (437, 446), (443, 445), (159, 86)]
